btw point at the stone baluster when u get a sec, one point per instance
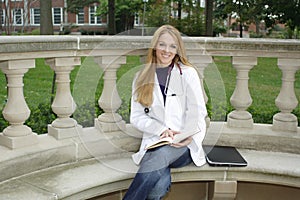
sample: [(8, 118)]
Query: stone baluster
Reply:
[(241, 98), (63, 104), (202, 62), (286, 101), (16, 111), (110, 100)]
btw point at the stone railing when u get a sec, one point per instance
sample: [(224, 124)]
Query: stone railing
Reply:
[(67, 140), (18, 55)]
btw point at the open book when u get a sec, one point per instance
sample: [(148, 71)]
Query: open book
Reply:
[(168, 140)]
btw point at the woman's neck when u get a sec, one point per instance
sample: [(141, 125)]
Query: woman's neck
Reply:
[(163, 65)]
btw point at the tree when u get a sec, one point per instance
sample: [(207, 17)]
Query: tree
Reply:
[(158, 14), (208, 17), (46, 26), (285, 11), (1, 14), (254, 11), (111, 17), (121, 14), (241, 9)]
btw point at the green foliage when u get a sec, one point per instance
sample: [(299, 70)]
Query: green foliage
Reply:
[(218, 29), (125, 11), (85, 114), (286, 11), (3, 122), (160, 13), (35, 32), (270, 11), (40, 117), (157, 15)]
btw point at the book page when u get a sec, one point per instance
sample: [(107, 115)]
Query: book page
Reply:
[(163, 141), (160, 142)]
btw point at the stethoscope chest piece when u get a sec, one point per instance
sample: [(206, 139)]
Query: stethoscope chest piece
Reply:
[(146, 110)]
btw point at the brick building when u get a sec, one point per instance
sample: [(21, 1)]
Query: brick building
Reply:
[(24, 16)]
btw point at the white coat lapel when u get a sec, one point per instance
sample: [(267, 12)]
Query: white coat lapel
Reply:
[(175, 87), (158, 108)]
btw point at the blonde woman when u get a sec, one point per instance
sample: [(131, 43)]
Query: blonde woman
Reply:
[(167, 101)]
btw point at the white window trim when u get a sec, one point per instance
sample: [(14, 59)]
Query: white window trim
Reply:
[(61, 15), (14, 17), (3, 17), (77, 18), (95, 17), (32, 15)]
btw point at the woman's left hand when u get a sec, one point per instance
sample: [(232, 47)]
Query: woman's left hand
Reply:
[(183, 143)]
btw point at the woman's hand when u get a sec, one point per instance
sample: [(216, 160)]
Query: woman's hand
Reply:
[(168, 133), (183, 143)]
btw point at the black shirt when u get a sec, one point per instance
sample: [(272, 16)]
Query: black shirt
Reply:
[(162, 74)]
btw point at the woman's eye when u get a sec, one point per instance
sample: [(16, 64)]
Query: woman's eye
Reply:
[(173, 46)]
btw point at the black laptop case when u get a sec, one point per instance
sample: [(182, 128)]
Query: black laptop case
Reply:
[(224, 156)]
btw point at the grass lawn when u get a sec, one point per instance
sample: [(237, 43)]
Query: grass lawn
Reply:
[(87, 83)]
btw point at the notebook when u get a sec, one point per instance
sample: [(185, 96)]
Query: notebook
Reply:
[(224, 156)]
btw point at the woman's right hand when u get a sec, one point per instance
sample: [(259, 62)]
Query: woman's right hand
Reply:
[(169, 133)]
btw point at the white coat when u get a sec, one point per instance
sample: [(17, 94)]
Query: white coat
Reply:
[(184, 111)]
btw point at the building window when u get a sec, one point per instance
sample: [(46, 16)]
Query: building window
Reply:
[(35, 16), (93, 18), (80, 16), (17, 16), (57, 16), (2, 16), (136, 19)]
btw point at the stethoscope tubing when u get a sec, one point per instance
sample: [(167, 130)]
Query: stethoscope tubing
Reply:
[(147, 109)]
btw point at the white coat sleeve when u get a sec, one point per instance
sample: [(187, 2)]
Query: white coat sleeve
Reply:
[(195, 105)]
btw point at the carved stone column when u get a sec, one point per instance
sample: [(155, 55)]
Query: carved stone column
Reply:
[(202, 62), (287, 101), (241, 98), (16, 111), (110, 100), (63, 104)]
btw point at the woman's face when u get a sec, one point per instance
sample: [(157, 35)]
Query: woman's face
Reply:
[(166, 50)]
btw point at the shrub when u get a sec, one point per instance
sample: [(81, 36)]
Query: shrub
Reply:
[(40, 117)]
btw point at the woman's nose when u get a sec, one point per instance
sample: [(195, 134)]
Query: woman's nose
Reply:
[(167, 48)]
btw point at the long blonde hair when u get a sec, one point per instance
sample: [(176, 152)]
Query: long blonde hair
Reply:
[(145, 80)]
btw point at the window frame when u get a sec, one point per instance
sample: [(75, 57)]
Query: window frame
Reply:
[(80, 15), (34, 15), (15, 16), (58, 14), (97, 20)]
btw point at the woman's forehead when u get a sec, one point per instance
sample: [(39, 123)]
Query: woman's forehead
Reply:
[(166, 37)]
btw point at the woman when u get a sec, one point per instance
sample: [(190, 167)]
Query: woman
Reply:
[(167, 100)]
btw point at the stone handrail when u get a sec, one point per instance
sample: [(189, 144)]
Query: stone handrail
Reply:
[(67, 141), (62, 53)]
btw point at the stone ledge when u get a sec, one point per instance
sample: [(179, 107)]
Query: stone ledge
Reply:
[(49, 152), (94, 177)]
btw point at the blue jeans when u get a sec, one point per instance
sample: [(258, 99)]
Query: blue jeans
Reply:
[(153, 179)]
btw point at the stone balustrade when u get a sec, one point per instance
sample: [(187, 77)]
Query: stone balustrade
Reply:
[(67, 141)]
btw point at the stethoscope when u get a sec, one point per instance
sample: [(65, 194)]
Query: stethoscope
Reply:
[(147, 109)]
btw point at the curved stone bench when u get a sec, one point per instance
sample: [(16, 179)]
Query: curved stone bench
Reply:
[(94, 177)]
